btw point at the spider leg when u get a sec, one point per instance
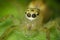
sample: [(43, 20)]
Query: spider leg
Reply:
[(47, 34), (7, 32)]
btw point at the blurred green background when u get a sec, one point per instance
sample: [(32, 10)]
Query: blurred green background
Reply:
[(17, 9)]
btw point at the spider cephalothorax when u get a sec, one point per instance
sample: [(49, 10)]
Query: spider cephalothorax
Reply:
[(32, 13)]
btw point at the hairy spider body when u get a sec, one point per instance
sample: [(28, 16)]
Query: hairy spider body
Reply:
[(39, 12)]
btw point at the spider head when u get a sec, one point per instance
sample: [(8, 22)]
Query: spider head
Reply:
[(32, 13)]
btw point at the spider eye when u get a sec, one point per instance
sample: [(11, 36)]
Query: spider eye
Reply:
[(33, 15), (25, 12), (32, 10), (38, 13), (29, 15)]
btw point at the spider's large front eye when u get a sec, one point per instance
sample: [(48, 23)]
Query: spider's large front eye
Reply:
[(29, 15), (33, 15)]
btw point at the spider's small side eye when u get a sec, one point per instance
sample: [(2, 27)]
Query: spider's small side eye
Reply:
[(25, 12), (38, 13)]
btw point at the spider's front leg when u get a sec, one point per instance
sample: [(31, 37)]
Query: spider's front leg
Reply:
[(47, 28), (47, 34), (7, 32), (47, 31)]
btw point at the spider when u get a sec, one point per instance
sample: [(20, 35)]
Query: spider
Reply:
[(37, 15)]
